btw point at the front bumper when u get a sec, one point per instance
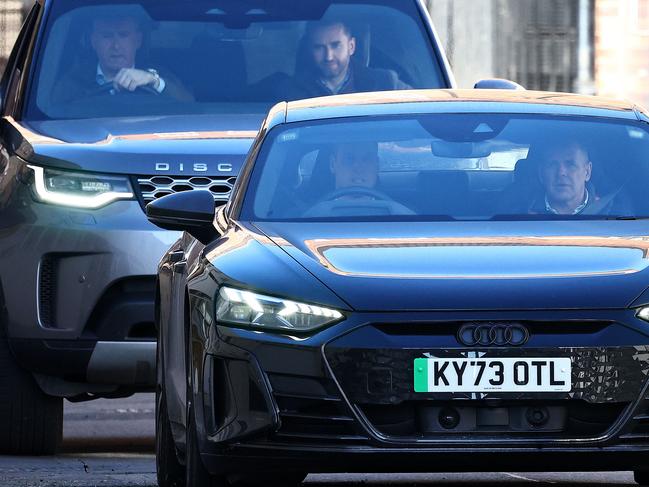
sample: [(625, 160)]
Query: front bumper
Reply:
[(79, 289), (344, 400)]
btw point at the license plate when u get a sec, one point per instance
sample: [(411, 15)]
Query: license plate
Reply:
[(493, 375)]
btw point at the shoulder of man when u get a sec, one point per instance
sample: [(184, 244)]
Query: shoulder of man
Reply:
[(80, 78), (302, 86), (366, 78)]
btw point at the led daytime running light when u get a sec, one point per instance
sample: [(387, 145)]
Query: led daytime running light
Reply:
[(91, 202), (259, 311)]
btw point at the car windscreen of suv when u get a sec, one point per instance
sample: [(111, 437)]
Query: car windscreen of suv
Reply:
[(221, 56), (449, 167)]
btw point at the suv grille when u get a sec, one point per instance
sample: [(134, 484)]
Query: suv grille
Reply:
[(155, 187)]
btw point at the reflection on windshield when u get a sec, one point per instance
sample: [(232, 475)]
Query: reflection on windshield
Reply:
[(153, 57), (452, 167), (494, 257)]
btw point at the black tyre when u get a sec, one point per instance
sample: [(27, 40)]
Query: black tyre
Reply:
[(197, 474), (641, 477), (31, 422), (170, 472)]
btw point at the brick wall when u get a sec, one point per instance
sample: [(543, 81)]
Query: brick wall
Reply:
[(622, 49)]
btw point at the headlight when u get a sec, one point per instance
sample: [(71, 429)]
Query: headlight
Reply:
[(265, 312), (643, 313), (81, 190)]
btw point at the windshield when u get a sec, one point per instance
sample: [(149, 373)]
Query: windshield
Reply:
[(115, 59), (451, 167)]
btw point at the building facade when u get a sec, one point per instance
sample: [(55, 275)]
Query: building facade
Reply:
[(622, 49), (11, 17), (543, 45)]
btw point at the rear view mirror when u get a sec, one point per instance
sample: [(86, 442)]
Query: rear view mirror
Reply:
[(460, 150), (190, 211)]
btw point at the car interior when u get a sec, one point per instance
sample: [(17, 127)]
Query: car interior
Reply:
[(501, 184), (224, 64)]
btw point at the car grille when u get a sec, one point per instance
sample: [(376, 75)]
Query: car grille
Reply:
[(151, 188)]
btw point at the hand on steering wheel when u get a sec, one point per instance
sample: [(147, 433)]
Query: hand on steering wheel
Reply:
[(108, 88), (129, 80)]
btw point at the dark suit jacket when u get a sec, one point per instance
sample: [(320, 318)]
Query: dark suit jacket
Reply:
[(362, 79), (81, 82)]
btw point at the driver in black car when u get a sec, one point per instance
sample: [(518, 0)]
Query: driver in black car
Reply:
[(115, 42), (355, 165), (355, 170)]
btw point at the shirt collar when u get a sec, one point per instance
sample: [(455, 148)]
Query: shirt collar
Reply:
[(342, 84), (577, 210)]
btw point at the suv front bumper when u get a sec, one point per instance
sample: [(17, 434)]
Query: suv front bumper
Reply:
[(79, 290)]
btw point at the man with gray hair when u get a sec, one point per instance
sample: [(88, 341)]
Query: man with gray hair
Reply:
[(565, 170), (115, 41)]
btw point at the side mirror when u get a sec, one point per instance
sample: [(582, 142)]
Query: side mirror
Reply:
[(190, 211), (497, 84)]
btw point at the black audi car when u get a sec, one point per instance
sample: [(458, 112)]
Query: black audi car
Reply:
[(416, 281)]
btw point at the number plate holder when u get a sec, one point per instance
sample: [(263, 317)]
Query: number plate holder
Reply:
[(506, 374)]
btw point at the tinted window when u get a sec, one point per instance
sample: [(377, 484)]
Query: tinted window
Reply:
[(450, 167), (220, 56)]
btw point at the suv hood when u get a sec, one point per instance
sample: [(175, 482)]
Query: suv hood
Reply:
[(473, 265), (171, 145)]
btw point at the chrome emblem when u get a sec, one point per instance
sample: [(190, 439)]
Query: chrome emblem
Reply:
[(197, 167), (493, 334)]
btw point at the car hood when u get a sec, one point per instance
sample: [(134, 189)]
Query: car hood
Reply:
[(473, 265), (171, 145)]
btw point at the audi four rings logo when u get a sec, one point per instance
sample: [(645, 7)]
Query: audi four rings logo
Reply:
[(493, 334)]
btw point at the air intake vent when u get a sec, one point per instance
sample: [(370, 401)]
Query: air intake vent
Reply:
[(314, 419), (47, 291), (639, 431), (155, 187), (311, 411)]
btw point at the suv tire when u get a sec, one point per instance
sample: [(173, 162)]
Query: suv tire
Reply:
[(31, 422)]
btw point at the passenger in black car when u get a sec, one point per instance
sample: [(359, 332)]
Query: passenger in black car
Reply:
[(115, 42), (330, 66), (565, 171)]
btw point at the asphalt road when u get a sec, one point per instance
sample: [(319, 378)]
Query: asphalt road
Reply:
[(109, 443)]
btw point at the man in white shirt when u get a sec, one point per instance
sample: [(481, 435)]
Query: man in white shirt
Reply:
[(116, 41), (564, 173)]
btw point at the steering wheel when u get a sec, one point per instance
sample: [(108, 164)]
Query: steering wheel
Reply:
[(336, 203), (357, 191), (108, 88)]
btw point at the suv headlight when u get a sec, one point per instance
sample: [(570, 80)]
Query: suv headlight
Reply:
[(81, 190), (245, 308)]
